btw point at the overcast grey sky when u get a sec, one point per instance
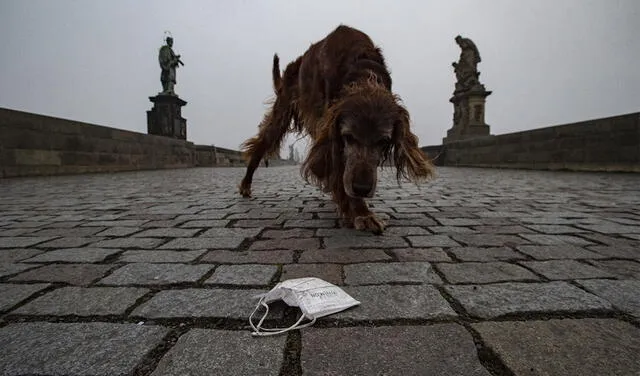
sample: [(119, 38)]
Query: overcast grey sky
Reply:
[(547, 62)]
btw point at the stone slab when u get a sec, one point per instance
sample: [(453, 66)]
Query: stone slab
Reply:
[(9, 269), (155, 274), (74, 274), (23, 241), (69, 242), (160, 256), (566, 269), (243, 274), (489, 240), (223, 232), (331, 273), (586, 347), (75, 349), (74, 255), (370, 241), (294, 244), (249, 257), (550, 239), (441, 349), (12, 294), (420, 254), (624, 295), (386, 302), (81, 301), (624, 269), (144, 243), (432, 241), (490, 301), (167, 232), (486, 254), (618, 251), (219, 303), (8, 256), (484, 272), (204, 352), (203, 243), (343, 256), (552, 252), (398, 272)]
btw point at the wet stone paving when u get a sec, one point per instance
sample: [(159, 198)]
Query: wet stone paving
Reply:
[(480, 272)]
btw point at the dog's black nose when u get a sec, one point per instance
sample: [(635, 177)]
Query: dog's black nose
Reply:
[(361, 190)]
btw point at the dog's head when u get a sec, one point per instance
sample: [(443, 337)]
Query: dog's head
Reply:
[(364, 129)]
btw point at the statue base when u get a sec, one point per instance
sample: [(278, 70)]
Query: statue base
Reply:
[(165, 118), (469, 110)]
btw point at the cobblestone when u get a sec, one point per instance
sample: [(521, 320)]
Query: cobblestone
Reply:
[(8, 256), (625, 295), (154, 274), (82, 301), (344, 256), (445, 349), (331, 273), (220, 303), (160, 256), (486, 254), (243, 274), (203, 352), (565, 269), (421, 254), (398, 272), (484, 272), (42, 348), (589, 347), (396, 302), (9, 268), (489, 301), (12, 294), (249, 257), (473, 247), (74, 255), (549, 252), (74, 274)]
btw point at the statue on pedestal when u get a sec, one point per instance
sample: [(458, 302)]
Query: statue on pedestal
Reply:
[(168, 63), (469, 94), (165, 118)]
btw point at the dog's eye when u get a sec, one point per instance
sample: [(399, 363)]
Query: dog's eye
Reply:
[(348, 139)]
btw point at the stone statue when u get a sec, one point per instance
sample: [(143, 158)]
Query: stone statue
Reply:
[(466, 69), (168, 63), (469, 95)]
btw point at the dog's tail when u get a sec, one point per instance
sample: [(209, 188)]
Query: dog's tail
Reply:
[(277, 78)]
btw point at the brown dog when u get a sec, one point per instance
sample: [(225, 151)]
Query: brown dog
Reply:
[(339, 93)]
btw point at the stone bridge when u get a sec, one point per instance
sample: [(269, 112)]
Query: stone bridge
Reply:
[(481, 272)]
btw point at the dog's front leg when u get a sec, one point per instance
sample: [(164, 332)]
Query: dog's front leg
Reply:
[(363, 218)]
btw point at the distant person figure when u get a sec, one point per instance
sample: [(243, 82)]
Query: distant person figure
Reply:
[(266, 163), (168, 63)]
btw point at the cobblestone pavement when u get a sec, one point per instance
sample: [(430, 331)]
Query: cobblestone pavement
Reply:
[(481, 272)]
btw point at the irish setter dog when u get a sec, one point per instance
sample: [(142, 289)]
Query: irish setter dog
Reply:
[(339, 93)]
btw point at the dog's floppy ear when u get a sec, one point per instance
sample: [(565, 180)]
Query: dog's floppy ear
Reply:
[(324, 165), (408, 159)]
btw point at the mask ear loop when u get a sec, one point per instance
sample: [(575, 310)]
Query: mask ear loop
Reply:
[(273, 331)]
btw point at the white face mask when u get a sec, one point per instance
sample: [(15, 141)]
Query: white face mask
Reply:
[(315, 297)]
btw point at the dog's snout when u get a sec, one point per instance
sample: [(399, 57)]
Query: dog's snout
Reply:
[(362, 189)]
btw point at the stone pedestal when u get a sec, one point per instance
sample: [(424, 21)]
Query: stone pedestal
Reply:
[(468, 117), (165, 118)]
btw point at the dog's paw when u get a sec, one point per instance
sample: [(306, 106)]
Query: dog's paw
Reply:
[(370, 222), (244, 190)]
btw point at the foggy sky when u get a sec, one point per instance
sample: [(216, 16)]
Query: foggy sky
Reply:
[(547, 62)]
